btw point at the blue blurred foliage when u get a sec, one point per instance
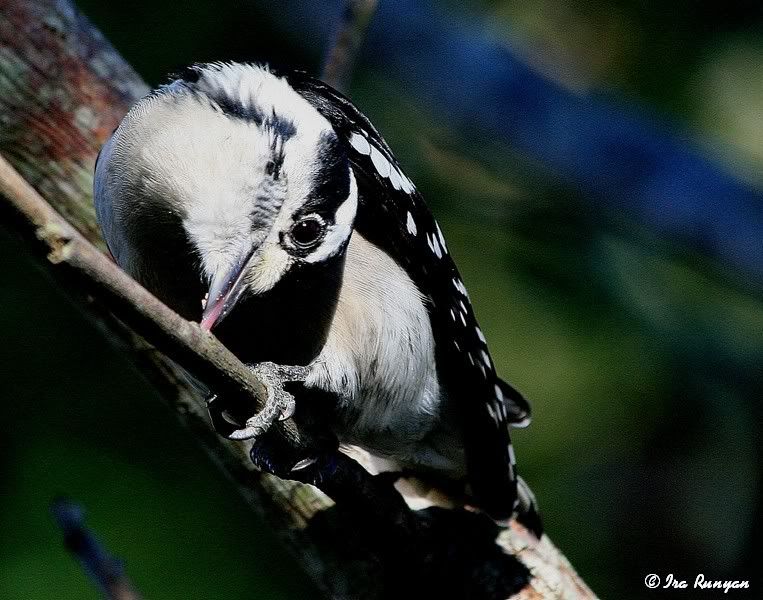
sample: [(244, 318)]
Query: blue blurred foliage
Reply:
[(596, 168), (613, 153)]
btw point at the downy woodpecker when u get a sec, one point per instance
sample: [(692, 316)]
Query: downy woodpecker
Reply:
[(266, 206)]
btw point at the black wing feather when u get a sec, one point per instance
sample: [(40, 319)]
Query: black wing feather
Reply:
[(395, 218), (516, 405)]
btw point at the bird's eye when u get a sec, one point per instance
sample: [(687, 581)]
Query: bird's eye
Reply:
[(308, 231)]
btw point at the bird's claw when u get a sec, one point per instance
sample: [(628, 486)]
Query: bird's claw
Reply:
[(279, 404)]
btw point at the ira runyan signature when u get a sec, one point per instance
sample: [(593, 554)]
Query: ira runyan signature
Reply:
[(700, 583)]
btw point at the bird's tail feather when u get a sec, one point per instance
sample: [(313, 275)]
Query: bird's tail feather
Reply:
[(527, 509)]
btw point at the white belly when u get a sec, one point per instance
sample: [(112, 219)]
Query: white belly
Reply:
[(379, 361)]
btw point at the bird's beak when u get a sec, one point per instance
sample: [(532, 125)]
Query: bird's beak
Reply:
[(224, 291)]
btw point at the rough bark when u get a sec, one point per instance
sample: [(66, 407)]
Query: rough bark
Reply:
[(348, 39), (63, 89)]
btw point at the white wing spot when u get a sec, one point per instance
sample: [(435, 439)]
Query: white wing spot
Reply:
[(411, 224), (380, 162), (452, 315), (360, 144), (463, 320), (459, 285), (485, 358), (395, 178), (441, 238), (481, 335), (434, 245), (498, 392), (512, 457), (492, 413)]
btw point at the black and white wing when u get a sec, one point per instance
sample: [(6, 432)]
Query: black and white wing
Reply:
[(392, 215)]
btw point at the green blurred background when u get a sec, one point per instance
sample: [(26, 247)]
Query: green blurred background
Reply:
[(641, 356)]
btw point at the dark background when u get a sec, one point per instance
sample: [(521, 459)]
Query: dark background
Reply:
[(623, 301)]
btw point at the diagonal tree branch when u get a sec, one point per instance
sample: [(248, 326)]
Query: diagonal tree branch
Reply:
[(197, 350), (63, 89), (103, 568), (348, 38)]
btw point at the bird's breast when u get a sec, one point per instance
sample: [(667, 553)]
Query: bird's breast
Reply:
[(379, 356)]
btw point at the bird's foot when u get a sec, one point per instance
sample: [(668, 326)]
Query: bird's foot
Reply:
[(279, 404)]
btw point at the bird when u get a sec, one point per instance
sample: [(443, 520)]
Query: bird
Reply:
[(263, 204)]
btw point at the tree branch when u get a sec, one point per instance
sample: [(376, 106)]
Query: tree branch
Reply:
[(197, 350), (106, 571), (63, 89), (346, 43)]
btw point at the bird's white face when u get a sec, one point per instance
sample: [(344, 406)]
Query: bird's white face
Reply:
[(256, 193)]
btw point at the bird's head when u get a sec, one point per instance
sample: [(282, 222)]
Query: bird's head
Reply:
[(221, 186)]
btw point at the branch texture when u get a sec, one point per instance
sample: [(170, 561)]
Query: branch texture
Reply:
[(198, 350), (348, 38), (63, 89)]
